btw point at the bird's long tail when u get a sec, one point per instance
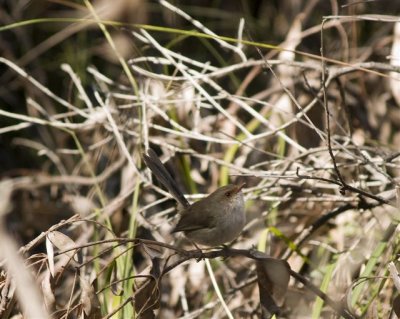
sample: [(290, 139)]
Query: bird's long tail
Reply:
[(153, 162)]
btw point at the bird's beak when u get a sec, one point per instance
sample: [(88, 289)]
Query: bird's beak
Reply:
[(239, 187)]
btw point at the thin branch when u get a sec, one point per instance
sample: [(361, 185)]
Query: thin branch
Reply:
[(344, 185)]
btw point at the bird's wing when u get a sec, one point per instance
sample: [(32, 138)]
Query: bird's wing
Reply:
[(197, 216)]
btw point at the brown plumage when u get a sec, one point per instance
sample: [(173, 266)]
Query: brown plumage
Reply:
[(214, 220)]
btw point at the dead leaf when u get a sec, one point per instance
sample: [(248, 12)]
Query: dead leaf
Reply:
[(89, 301), (62, 242), (147, 295), (48, 293), (273, 278), (396, 306), (50, 255)]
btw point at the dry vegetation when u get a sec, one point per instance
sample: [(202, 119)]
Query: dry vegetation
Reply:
[(313, 132)]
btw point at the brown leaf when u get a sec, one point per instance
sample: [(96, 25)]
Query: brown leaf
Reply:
[(147, 295), (89, 301), (62, 242), (396, 306), (48, 293), (273, 278)]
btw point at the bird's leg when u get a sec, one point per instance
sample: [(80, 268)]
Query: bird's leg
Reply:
[(225, 248), (197, 251)]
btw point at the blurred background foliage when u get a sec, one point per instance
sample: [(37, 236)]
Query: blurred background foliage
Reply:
[(369, 116)]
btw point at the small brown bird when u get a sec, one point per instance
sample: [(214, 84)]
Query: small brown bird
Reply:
[(214, 220)]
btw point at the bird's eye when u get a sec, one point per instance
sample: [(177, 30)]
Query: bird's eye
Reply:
[(228, 194)]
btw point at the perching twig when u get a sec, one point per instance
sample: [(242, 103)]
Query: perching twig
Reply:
[(225, 252)]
